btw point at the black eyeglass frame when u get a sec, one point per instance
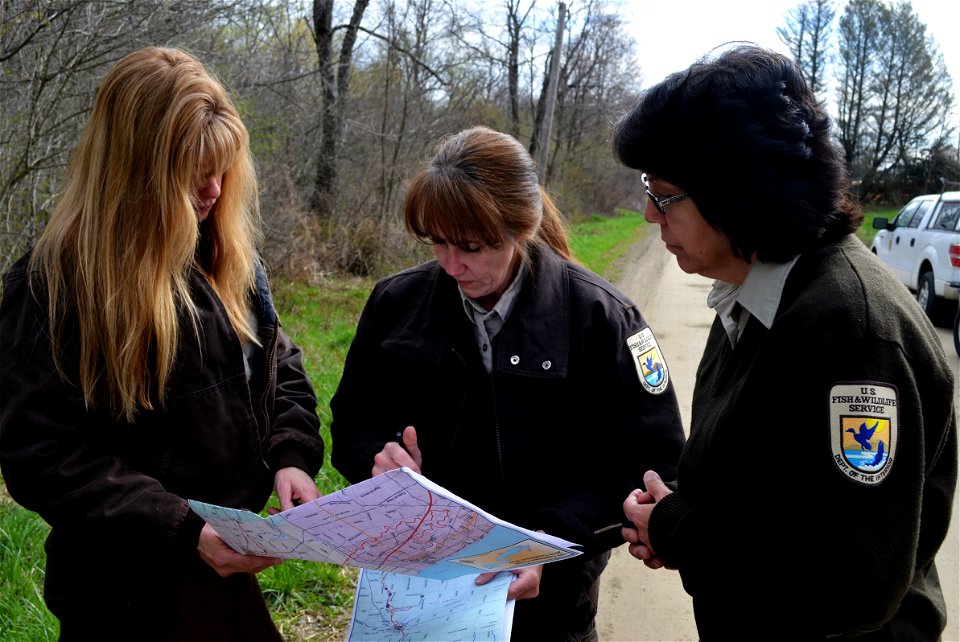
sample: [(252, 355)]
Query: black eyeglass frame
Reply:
[(661, 205)]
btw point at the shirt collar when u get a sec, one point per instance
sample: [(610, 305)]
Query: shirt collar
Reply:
[(758, 296), (475, 311)]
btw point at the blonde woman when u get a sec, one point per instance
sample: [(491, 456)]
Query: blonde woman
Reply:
[(142, 363)]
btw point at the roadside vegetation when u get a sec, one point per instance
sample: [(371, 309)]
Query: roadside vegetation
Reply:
[(866, 231)]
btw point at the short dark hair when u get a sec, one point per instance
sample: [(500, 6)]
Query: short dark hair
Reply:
[(745, 136)]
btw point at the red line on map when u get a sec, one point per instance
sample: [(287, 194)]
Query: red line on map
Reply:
[(414, 531)]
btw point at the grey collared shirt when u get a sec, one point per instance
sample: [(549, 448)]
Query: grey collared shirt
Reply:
[(759, 295), (486, 324)]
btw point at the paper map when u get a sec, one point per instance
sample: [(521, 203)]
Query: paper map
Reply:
[(399, 522), (390, 607)]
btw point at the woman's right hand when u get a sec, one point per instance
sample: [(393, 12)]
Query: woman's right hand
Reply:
[(395, 455)]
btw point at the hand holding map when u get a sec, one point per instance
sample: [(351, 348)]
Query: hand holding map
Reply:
[(399, 522)]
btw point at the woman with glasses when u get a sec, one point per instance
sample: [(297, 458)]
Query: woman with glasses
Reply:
[(822, 458), (509, 374), (142, 364)]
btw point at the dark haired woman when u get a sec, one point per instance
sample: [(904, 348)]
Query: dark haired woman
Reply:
[(817, 481)]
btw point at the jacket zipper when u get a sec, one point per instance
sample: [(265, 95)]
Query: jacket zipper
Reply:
[(268, 382), (496, 433), (463, 401)]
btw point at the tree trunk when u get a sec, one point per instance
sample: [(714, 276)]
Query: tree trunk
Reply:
[(335, 82), (551, 95)]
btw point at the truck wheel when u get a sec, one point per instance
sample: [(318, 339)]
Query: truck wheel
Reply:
[(926, 295), (956, 332)]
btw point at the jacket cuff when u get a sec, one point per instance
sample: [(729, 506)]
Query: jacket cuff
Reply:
[(664, 520), (188, 532), (286, 457)]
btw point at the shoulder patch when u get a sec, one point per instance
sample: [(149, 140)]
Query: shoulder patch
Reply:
[(864, 430), (651, 366)]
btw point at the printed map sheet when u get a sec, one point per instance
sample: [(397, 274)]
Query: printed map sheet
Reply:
[(390, 607), (398, 522)]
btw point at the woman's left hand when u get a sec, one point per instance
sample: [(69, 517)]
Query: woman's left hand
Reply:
[(525, 586), (638, 507), (294, 485), (226, 561)]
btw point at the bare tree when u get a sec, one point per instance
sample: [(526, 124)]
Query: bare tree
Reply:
[(895, 88), (598, 81), (52, 55), (860, 32), (335, 80), (343, 101), (807, 34)]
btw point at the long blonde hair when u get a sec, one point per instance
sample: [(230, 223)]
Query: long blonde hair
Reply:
[(116, 254), (482, 185)]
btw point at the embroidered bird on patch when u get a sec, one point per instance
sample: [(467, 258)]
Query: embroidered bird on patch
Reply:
[(865, 435)]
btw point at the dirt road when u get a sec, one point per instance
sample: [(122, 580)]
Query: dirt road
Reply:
[(641, 605)]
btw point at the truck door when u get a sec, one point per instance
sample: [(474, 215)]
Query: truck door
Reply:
[(903, 247)]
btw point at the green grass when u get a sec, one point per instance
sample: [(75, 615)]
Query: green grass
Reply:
[(601, 241), (23, 615), (866, 231)]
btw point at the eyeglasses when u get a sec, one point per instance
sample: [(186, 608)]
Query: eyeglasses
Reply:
[(661, 205)]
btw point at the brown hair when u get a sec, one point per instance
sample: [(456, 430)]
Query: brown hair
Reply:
[(482, 185)]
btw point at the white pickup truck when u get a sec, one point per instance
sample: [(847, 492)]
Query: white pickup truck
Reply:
[(922, 247)]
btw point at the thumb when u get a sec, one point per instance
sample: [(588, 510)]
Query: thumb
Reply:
[(655, 485), (410, 443), (483, 578)]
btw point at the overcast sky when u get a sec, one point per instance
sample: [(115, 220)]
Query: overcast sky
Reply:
[(671, 34)]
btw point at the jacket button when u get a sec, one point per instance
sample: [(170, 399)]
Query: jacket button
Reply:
[(514, 359), (546, 364)]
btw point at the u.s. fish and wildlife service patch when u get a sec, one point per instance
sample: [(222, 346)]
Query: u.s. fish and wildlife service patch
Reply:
[(864, 430), (651, 366)]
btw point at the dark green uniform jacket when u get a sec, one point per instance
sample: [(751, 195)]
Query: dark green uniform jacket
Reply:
[(817, 482)]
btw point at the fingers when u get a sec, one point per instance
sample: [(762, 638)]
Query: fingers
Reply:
[(644, 553), (394, 455), (641, 551), (294, 486), (410, 443), (226, 561), (527, 583), (655, 485), (637, 509), (483, 578), (636, 498)]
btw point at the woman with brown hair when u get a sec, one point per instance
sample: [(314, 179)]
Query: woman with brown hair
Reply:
[(509, 374), (143, 365)]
